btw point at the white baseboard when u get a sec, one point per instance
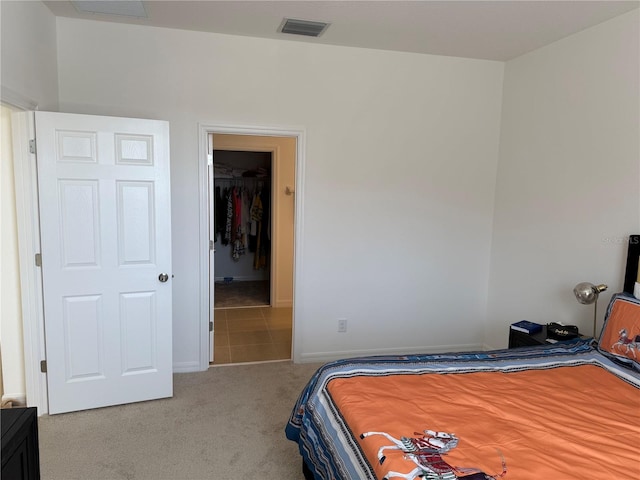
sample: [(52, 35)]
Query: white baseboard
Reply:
[(323, 357), (186, 367), (17, 399)]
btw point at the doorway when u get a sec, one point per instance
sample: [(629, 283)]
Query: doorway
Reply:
[(241, 230), (251, 226)]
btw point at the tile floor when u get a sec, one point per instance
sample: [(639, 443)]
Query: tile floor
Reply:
[(254, 334)]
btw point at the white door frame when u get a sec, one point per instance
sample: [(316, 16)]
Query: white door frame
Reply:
[(28, 219), (205, 307)]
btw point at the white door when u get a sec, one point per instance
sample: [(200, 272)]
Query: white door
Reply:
[(105, 229)]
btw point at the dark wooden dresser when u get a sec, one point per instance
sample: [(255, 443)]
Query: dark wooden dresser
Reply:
[(20, 452)]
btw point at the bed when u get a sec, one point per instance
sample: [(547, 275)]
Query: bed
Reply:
[(569, 410)]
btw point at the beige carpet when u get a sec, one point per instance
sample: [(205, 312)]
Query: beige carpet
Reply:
[(224, 424)]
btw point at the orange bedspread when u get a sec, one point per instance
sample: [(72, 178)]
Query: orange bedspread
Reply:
[(569, 422)]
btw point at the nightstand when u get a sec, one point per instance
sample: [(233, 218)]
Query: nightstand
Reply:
[(521, 339)]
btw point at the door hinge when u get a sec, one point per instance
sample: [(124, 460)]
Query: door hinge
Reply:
[(43, 366), (38, 260), (211, 326), (210, 244), (32, 146)]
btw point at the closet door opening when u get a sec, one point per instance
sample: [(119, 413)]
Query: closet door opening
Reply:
[(251, 186), (242, 237)]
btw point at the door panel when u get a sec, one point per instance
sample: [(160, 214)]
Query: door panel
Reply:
[(136, 223), (137, 313), (79, 223), (106, 237), (82, 326)]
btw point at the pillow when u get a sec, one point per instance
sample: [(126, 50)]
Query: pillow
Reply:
[(620, 337)]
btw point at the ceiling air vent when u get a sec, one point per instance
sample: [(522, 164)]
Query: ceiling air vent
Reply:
[(126, 8), (303, 27)]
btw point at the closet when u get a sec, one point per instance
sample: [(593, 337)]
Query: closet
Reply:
[(242, 228)]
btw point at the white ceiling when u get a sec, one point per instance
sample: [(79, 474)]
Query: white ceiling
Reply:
[(492, 30)]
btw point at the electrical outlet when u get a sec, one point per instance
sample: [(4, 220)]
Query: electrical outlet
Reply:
[(342, 325)]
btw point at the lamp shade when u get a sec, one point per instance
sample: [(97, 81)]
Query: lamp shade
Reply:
[(587, 293)]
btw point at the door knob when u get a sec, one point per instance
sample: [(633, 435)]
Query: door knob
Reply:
[(163, 277)]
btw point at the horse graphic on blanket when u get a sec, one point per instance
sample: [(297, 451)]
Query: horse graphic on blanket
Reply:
[(626, 344), (426, 450)]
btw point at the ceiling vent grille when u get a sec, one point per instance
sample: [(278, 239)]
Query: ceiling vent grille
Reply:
[(303, 27), (126, 8)]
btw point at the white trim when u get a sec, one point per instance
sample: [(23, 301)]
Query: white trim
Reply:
[(16, 399), (186, 367), (204, 314), (17, 100), (25, 176), (323, 357), (297, 248), (203, 130), (249, 363)]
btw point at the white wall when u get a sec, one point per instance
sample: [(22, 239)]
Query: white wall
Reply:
[(28, 55), (400, 167), (568, 192), (399, 179)]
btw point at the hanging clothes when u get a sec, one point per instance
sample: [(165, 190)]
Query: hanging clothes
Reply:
[(264, 242), (219, 215), (238, 245), (246, 216), (256, 216), (242, 219), (226, 239)]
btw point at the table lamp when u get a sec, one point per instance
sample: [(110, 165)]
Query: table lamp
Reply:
[(587, 293)]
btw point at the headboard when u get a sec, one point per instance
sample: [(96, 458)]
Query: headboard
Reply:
[(633, 257)]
